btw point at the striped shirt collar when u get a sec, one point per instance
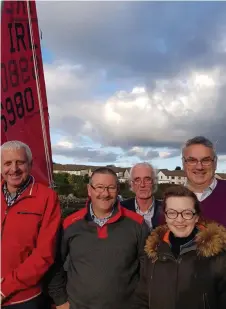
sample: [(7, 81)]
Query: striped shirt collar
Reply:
[(11, 198), (150, 209), (148, 215), (99, 221)]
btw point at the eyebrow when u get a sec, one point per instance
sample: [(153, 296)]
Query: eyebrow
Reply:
[(190, 157), (100, 184)]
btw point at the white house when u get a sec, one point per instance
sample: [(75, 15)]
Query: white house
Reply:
[(79, 170), (172, 177)]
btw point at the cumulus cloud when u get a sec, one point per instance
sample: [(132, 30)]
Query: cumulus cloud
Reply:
[(139, 76), (127, 38), (187, 105), (86, 154), (143, 154)]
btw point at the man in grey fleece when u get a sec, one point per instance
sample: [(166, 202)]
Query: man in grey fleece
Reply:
[(104, 246)]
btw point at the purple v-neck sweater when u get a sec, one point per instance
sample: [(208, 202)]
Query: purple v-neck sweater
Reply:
[(214, 206)]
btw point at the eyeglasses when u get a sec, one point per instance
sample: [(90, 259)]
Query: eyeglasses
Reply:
[(193, 161), (101, 189), (186, 214), (145, 180)]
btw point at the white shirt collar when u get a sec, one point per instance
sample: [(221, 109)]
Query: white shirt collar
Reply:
[(149, 210), (203, 195)]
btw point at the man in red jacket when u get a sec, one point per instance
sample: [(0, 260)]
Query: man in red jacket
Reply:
[(30, 219)]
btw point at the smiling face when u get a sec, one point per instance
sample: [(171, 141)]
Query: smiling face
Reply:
[(15, 168), (199, 174), (103, 192), (179, 226)]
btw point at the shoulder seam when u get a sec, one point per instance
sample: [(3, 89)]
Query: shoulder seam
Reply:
[(74, 217), (133, 216)]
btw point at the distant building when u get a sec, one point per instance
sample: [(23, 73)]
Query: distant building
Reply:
[(164, 175), (79, 170), (82, 170), (172, 177), (178, 176), (221, 176)]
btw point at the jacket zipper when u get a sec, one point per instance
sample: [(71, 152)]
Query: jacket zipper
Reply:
[(178, 261), (205, 301)]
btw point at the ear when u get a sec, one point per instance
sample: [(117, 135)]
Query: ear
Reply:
[(131, 186), (215, 163), (89, 189), (183, 164), (196, 219), (30, 165)]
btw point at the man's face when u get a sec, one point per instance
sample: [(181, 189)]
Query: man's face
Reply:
[(142, 182), (199, 173), (103, 191), (15, 168)]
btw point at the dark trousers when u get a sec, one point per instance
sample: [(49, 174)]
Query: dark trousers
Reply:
[(39, 302)]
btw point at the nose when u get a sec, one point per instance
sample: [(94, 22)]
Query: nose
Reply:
[(179, 218), (106, 192), (199, 166), (142, 183), (14, 167)]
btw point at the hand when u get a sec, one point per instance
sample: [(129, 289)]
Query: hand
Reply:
[(64, 306), (2, 299)]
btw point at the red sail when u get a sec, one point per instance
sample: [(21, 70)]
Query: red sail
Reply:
[(24, 110)]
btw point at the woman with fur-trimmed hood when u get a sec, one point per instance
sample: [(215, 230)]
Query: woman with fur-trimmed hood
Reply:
[(185, 263)]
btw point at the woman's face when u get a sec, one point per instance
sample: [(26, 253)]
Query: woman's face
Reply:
[(182, 224)]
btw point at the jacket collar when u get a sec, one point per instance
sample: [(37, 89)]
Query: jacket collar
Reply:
[(29, 190), (209, 241), (117, 212)]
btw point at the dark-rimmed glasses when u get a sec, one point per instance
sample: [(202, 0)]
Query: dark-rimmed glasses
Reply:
[(185, 214), (101, 188), (193, 161)]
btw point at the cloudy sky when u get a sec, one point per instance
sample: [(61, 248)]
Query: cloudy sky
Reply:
[(131, 81)]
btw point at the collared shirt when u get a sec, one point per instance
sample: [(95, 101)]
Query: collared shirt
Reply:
[(148, 215), (99, 221), (203, 195), (12, 197)]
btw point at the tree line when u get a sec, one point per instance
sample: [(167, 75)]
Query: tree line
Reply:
[(69, 184)]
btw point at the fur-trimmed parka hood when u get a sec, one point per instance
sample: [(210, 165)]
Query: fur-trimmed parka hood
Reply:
[(210, 240)]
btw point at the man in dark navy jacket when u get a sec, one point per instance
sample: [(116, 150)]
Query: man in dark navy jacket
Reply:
[(143, 182)]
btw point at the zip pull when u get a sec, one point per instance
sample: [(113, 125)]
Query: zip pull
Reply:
[(179, 260)]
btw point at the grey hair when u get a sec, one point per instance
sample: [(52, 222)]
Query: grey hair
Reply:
[(154, 174), (12, 145), (200, 140), (104, 170)]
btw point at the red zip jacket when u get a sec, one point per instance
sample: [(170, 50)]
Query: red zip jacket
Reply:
[(28, 239)]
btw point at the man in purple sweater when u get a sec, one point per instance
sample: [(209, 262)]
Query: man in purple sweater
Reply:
[(200, 162)]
